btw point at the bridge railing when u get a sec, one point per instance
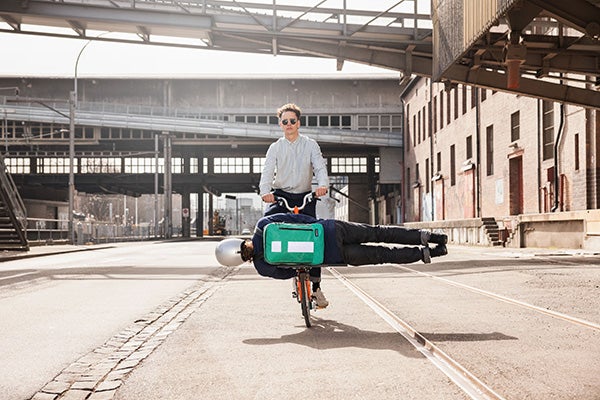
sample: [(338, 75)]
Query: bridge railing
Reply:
[(50, 230)]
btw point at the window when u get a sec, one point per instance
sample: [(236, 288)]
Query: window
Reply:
[(483, 95), (464, 99), (576, 152), (452, 165), (417, 174), (257, 164), (515, 126), (231, 165), (435, 114), (408, 183), (427, 179), (50, 165), (439, 162), (414, 131), (425, 124), (349, 165), (489, 151), (441, 110), (548, 129), (18, 165), (419, 128), (97, 165), (346, 122), (408, 128), (469, 146), (449, 106), (146, 165), (473, 96), (455, 91), (193, 165)]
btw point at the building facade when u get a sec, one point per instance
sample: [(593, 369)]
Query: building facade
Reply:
[(472, 153)]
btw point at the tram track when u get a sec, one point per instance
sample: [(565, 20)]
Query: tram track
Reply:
[(541, 310), (463, 378)]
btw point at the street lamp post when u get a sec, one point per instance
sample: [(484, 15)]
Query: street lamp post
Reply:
[(72, 111), (72, 101)]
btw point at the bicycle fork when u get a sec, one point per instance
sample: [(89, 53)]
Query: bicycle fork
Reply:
[(297, 290)]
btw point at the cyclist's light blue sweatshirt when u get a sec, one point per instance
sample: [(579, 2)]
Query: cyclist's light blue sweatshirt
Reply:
[(331, 255)]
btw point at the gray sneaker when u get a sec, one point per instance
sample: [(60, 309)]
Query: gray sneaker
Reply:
[(295, 288), (320, 299)]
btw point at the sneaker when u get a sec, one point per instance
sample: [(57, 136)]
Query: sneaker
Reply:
[(439, 250), (320, 299), (426, 258), (295, 288), (438, 238)]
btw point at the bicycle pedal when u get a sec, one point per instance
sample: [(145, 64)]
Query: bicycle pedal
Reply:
[(294, 295)]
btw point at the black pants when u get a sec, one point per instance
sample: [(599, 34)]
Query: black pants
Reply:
[(293, 199), (351, 238)]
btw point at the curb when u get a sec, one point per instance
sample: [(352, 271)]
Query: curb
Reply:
[(50, 253)]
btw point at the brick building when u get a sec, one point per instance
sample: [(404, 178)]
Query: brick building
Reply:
[(485, 157)]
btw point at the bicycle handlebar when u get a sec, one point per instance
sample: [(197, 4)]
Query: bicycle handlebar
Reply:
[(282, 201)]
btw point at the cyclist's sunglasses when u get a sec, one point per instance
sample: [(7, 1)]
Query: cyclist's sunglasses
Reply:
[(291, 121)]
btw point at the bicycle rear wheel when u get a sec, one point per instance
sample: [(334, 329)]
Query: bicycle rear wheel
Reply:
[(304, 293)]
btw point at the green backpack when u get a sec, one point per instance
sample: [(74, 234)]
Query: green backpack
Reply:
[(292, 244)]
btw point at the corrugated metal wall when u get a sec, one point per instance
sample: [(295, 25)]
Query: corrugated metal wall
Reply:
[(458, 24)]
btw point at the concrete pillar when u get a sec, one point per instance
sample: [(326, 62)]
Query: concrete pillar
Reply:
[(200, 215), (358, 204), (185, 214)]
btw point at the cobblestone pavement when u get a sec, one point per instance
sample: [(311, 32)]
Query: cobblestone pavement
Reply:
[(98, 374)]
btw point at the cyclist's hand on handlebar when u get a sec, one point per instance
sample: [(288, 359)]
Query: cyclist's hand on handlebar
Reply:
[(321, 191), (268, 198)]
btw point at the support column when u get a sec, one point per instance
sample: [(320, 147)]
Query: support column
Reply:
[(185, 214), (168, 217), (200, 215), (211, 225), (358, 199)]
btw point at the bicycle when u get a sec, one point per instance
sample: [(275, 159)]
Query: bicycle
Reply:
[(302, 283)]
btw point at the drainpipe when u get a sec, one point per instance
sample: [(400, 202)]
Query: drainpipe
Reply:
[(539, 153), (556, 144), (408, 82), (477, 152), (402, 160), (431, 133)]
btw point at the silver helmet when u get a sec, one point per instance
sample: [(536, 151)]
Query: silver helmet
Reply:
[(229, 252)]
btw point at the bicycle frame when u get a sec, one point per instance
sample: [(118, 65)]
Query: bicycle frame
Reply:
[(304, 294), (302, 279)]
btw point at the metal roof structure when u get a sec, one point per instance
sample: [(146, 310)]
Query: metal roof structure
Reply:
[(553, 43)]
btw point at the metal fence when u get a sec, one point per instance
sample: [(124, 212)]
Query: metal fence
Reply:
[(47, 230)]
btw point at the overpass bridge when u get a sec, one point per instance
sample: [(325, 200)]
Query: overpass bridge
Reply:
[(213, 134), (541, 48), (112, 139)]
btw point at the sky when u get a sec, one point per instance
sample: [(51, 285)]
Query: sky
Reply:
[(46, 56)]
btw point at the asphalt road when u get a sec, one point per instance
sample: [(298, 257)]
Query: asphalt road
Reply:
[(162, 321)]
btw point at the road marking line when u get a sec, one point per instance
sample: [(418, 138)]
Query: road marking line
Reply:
[(468, 382), (19, 275)]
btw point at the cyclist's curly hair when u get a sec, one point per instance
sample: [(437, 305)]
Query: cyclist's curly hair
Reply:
[(289, 107), (246, 252)]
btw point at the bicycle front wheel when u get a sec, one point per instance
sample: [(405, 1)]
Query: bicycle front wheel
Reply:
[(304, 293)]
